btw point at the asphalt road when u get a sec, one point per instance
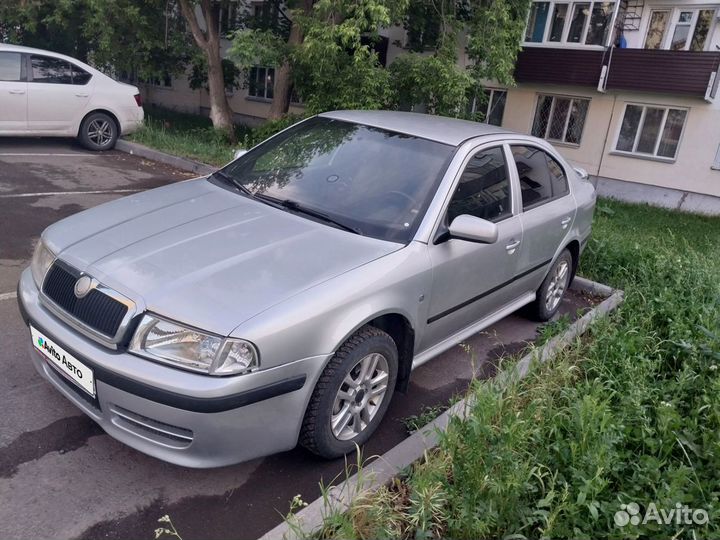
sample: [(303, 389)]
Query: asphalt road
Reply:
[(62, 477)]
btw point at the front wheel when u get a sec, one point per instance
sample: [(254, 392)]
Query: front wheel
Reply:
[(98, 132), (352, 394), (552, 290)]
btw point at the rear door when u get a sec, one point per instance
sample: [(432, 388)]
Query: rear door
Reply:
[(13, 93), (55, 104), (473, 280), (548, 210)]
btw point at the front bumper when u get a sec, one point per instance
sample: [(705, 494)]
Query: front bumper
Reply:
[(182, 417)]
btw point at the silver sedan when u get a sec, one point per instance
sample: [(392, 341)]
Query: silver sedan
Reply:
[(286, 297)]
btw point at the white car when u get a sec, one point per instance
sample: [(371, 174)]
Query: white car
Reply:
[(43, 93)]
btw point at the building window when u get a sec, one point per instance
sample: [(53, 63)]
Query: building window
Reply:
[(261, 82), (489, 107), (679, 29), (560, 119), (570, 22), (651, 131)]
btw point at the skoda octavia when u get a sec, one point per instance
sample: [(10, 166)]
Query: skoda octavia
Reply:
[(287, 297)]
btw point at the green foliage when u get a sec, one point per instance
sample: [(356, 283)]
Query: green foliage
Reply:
[(128, 36), (268, 129), (630, 413), (232, 76)]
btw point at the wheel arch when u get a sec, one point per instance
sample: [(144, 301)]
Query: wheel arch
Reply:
[(574, 248), (104, 111), (398, 326)]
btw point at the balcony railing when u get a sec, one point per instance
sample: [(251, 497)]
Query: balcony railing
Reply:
[(687, 73)]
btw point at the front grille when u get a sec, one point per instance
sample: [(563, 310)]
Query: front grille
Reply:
[(96, 310)]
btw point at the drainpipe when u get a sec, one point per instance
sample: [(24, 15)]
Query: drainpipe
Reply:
[(607, 135)]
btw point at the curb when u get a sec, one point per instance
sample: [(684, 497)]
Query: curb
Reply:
[(381, 471), (161, 157)]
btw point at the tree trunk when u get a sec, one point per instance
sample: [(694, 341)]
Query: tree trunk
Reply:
[(282, 87), (209, 42)]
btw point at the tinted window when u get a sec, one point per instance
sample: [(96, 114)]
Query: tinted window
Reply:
[(50, 70), (377, 181), (541, 177), (10, 66), (79, 76), (484, 188)]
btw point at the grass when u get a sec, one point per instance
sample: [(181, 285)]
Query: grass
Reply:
[(628, 414), (192, 136), (186, 135)]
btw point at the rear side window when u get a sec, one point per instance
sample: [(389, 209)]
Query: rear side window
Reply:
[(10, 66), (50, 70), (79, 75), (484, 188), (542, 179)]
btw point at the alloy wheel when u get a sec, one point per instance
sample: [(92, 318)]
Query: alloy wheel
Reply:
[(557, 286), (100, 132), (359, 397)]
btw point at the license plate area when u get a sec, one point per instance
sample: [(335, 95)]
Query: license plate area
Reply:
[(69, 366)]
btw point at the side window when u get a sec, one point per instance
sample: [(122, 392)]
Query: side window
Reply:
[(79, 75), (10, 66), (50, 70), (541, 177), (484, 188)]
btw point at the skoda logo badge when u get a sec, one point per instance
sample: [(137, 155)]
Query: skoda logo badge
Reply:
[(83, 286)]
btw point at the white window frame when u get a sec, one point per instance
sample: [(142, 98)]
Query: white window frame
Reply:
[(566, 28), (716, 165), (567, 117), (489, 103), (643, 155), (675, 20)]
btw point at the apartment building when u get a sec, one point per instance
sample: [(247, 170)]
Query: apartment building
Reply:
[(626, 89)]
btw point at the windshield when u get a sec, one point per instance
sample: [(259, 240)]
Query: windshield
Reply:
[(369, 180)]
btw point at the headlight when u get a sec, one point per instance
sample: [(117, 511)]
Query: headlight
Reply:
[(42, 260), (170, 342)]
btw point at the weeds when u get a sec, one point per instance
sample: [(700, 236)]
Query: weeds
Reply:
[(630, 414)]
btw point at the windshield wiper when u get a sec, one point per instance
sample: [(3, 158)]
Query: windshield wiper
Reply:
[(230, 180), (295, 206)]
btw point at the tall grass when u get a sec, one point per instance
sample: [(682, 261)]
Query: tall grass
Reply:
[(629, 414), (187, 135)]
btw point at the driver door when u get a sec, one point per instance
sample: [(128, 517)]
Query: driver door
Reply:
[(473, 280)]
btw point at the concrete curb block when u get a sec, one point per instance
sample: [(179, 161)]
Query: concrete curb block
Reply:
[(383, 469), (181, 163)]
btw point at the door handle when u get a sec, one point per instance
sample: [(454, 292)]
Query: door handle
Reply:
[(82, 95), (512, 246), (16, 91), (565, 222)]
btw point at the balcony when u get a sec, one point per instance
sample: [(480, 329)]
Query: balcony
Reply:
[(685, 73)]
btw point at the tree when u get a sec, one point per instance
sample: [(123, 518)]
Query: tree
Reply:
[(208, 40)]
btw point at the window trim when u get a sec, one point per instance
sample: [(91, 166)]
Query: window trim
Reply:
[(538, 204), (674, 20), (263, 98), (488, 105), (642, 155), (563, 43), (561, 142)]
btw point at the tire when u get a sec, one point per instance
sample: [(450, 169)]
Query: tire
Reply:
[(98, 131), (544, 308), (368, 346)]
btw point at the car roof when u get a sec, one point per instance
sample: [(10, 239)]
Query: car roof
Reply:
[(427, 126), (8, 47)]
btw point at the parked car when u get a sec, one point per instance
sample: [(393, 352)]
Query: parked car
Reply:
[(287, 296), (43, 93)]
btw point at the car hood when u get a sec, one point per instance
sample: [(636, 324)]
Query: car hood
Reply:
[(204, 255)]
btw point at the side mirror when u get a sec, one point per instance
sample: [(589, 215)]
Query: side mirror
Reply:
[(473, 229), (582, 173), (239, 153)]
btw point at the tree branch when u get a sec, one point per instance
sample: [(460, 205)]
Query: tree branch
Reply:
[(188, 11)]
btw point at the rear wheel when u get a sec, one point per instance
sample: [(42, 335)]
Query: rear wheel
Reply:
[(551, 292), (98, 131), (352, 394)]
